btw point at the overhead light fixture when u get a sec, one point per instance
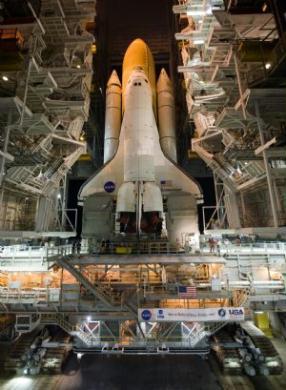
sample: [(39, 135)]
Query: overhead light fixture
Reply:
[(5, 78), (196, 13), (267, 65), (40, 174), (237, 169), (264, 7), (198, 42), (200, 12)]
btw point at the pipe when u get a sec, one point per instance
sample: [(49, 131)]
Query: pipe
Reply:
[(266, 165), (239, 85)]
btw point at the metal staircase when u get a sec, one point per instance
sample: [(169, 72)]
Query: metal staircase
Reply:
[(197, 334), (103, 293), (235, 178), (214, 327), (129, 302), (74, 330), (206, 330), (95, 290)]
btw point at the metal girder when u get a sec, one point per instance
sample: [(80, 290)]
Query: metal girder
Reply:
[(97, 290), (85, 282), (143, 259)]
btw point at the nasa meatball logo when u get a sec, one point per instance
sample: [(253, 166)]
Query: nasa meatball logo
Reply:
[(146, 315), (109, 186), (222, 313)]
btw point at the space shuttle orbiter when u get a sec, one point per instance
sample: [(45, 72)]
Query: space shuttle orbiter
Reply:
[(140, 173)]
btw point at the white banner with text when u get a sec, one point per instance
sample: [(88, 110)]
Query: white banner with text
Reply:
[(192, 315)]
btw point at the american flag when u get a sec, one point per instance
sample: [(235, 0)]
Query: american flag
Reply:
[(187, 291)]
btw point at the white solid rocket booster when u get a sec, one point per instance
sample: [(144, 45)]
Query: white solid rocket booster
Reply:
[(112, 116), (166, 116)]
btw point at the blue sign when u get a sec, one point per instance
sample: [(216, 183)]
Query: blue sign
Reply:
[(109, 186), (146, 315)]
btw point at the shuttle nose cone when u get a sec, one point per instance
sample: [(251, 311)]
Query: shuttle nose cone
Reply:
[(114, 79), (164, 83), (138, 56)]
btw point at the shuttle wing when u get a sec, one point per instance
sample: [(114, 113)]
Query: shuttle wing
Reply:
[(170, 175), (107, 179)]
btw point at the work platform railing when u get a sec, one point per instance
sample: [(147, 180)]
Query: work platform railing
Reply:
[(34, 296), (16, 254), (136, 247), (241, 257), (239, 292), (249, 248)]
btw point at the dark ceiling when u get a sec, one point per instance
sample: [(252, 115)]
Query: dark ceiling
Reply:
[(11, 10)]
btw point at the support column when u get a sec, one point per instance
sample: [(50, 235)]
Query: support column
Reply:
[(42, 214), (5, 148), (239, 85), (22, 116), (266, 165), (243, 208), (64, 201), (278, 8), (233, 214), (2, 167)]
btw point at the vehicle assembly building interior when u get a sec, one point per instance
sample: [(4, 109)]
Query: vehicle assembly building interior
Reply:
[(142, 194)]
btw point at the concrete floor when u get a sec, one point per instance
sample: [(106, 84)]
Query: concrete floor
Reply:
[(143, 372), (124, 373)]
